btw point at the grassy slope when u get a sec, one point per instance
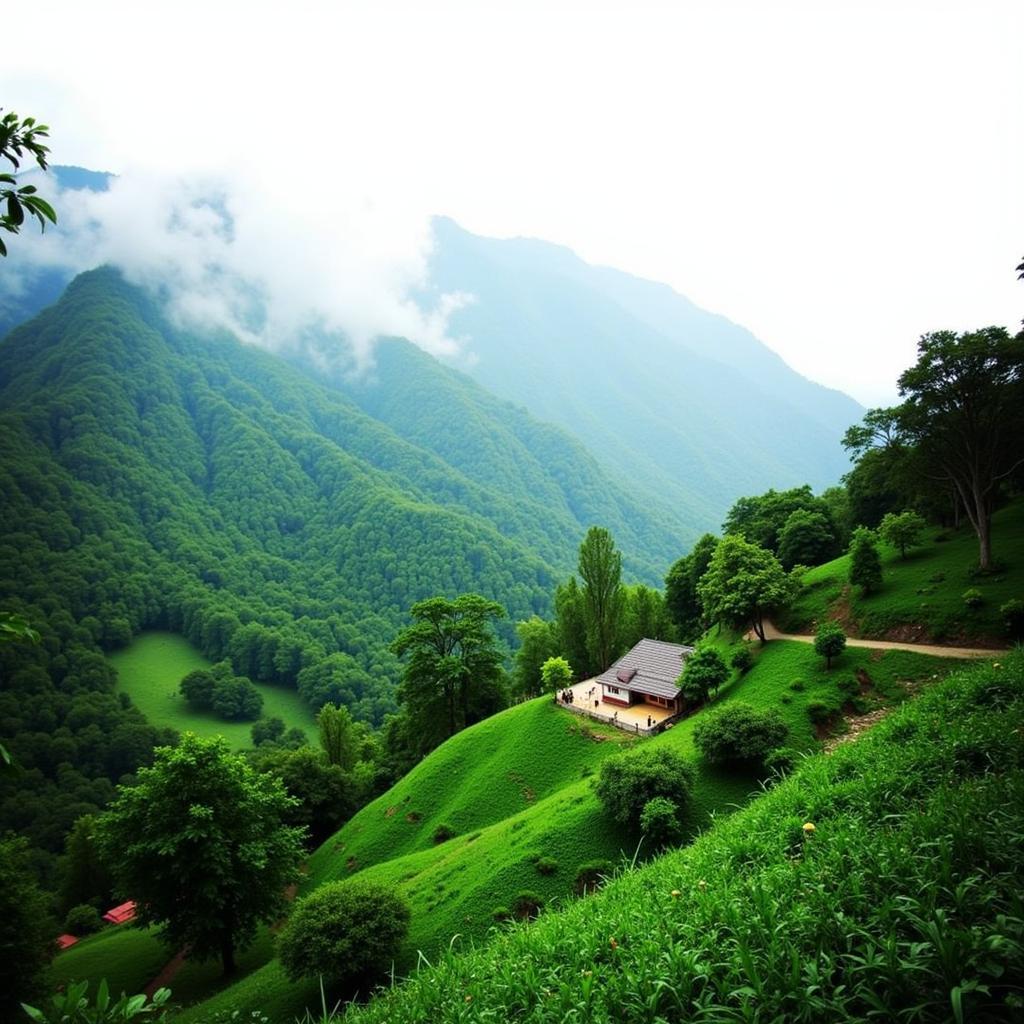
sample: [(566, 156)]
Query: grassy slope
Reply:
[(904, 900), (921, 596), (453, 888), (151, 667)]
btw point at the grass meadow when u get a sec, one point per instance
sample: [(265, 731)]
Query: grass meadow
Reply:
[(150, 669)]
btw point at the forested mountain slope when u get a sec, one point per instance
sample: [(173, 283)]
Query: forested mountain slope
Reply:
[(690, 406)]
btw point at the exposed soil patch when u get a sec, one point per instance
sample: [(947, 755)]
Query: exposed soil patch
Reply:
[(864, 682), (840, 611), (390, 812), (413, 817), (529, 795), (856, 724), (351, 864)]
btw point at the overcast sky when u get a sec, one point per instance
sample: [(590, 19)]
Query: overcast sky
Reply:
[(839, 178)]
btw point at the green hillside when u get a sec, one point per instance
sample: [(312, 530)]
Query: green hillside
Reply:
[(150, 669), (156, 479), (477, 783), (904, 902), (921, 597)]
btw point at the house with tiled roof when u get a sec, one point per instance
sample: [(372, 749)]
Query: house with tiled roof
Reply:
[(648, 674), (121, 914)]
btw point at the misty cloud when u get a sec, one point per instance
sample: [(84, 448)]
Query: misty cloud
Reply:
[(303, 264)]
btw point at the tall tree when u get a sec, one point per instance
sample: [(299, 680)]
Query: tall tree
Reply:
[(644, 615), (453, 674), (538, 641), (865, 563), (571, 627), (600, 569), (743, 583), (681, 596), (964, 410), (337, 735), (202, 822)]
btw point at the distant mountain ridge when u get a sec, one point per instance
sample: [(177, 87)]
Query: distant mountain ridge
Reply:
[(680, 402)]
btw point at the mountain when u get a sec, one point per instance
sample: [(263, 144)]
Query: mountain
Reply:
[(682, 404), (265, 514)]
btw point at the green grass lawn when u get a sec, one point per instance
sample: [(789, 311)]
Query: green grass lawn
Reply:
[(519, 786), (129, 958), (921, 597), (150, 669)]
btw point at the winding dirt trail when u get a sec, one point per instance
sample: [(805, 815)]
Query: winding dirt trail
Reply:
[(939, 651)]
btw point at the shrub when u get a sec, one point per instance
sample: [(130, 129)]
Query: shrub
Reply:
[(797, 685), (829, 641), (659, 821), (267, 730), (703, 672), (443, 833), (973, 598), (628, 781), (83, 920), (501, 914), (527, 905), (590, 876), (742, 660), (781, 761), (1013, 618), (197, 689), (347, 931), (739, 733), (819, 712), (546, 865)]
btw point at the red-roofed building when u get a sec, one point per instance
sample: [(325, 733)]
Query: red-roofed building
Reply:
[(119, 915), (63, 941)]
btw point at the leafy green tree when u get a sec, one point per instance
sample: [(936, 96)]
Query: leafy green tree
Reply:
[(644, 615), (538, 641), (865, 563), (19, 136), (703, 672), (742, 584), (267, 730), (963, 409), (830, 641), (628, 781), (27, 931), (235, 698), (600, 569), (201, 821), (348, 932), (902, 531), (197, 688), (337, 736), (806, 538), (739, 733), (571, 628), (682, 599), (83, 919), (761, 518), (659, 822), (84, 878), (453, 672), (555, 674)]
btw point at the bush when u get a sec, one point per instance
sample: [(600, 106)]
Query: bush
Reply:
[(865, 565), (797, 685), (738, 734), (267, 730), (628, 781), (501, 914), (591, 876), (443, 833), (527, 905), (703, 672), (781, 761), (659, 821), (546, 865), (819, 712), (742, 660), (1013, 618), (973, 598), (83, 920), (829, 641), (197, 689), (349, 932), (235, 698)]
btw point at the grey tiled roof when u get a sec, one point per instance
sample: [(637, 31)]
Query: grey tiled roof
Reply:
[(658, 665)]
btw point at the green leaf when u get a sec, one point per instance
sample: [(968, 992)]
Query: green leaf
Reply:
[(27, 190)]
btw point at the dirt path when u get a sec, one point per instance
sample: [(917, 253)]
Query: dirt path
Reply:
[(771, 633)]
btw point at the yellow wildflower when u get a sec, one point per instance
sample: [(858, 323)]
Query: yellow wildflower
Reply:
[(808, 827)]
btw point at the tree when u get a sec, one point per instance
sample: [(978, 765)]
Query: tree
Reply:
[(681, 597), (571, 628), (197, 689), (453, 673), (628, 781), (26, 929), (703, 671), (902, 531), (659, 821), (865, 564), (964, 411), (18, 137), (742, 584), (829, 641), (806, 538), (761, 518), (202, 822), (556, 674), (349, 932), (600, 569), (739, 734), (267, 730), (644, 615), (84, 876), (235, 698), (538, 641), (337, 736)]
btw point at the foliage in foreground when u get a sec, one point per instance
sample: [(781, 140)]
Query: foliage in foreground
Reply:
[(902, 902), (75, 1007)]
